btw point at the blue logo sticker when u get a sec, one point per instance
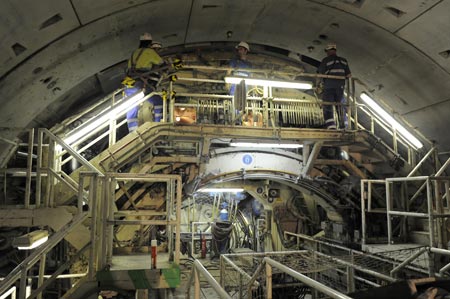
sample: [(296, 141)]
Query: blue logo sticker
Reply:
[(247, 159)]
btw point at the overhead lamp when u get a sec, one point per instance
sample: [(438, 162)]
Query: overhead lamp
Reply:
[(103, 117), (269, 83), (390, 120), (266, 145), (219, 190), (31, 240)]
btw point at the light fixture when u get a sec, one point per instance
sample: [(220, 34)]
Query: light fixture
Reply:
[(269, 83), (103, 117), (31, 240), (390, 120), (218, 190), (266, 145)]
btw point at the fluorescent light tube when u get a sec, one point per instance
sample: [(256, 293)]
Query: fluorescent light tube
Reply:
[(390, 120), (101, 120), (269, 83), (266, 145), (231, 190), (34, 244), (31, 240)]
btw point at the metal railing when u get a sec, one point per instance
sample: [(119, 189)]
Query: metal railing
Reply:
[(303, 278), (171, 214), (434, 188), (267, 110), (349, 258), (199, 270), (318, 271), (20, 273)]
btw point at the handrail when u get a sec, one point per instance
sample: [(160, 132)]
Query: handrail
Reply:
[(60, 126), (70, 150), (303, 278), (172, 209), (35, 256), (198, 269)]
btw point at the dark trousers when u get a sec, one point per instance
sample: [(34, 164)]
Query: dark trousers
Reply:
[(333, 95)]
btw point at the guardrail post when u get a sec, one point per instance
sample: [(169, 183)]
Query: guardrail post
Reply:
[(430, 212), (41, 274), (351, 275), (23, 283), (388, 210), (29, 168), (222, 271), (95, 238), (363, 215), (196, 284), (269, 281), (39, 168), (241, 286)]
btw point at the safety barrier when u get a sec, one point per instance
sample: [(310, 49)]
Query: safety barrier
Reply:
[(39, 255), (250, 275), (434, 188), (258, 110), (199, 270)]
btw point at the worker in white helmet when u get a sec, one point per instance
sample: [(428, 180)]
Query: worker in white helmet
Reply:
[(156, 46), (240, 62), (333, 89), (141, 75)]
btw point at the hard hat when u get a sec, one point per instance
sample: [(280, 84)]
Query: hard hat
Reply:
[(330, 47), (146, 36), (243, 45), (156, 45)]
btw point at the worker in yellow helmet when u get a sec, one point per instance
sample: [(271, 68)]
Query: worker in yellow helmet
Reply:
[(141, 74)]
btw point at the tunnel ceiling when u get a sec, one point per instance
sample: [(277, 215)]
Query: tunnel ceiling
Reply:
[(400, 49)]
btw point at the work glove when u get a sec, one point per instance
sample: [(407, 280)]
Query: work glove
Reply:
[(177, 64), (128, 82)]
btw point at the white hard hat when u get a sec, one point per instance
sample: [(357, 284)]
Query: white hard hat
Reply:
[(156, 45), (243, 45), (146, 36), (330, 47)]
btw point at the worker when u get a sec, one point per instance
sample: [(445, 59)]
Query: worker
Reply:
[(141, 75), (156, 46), (152, 109), (332, 89), (239, 91), (239, 62)]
